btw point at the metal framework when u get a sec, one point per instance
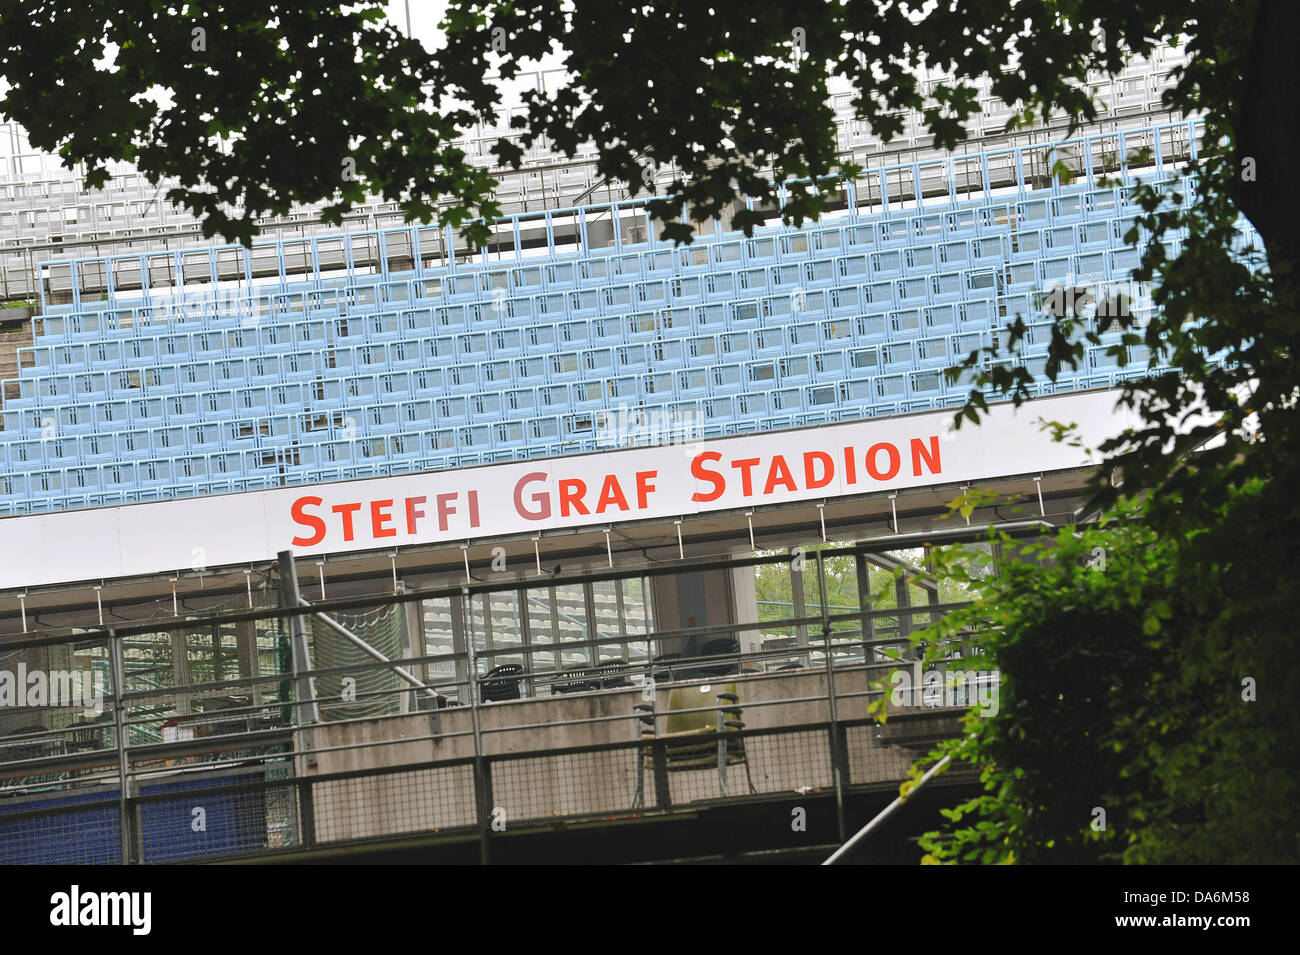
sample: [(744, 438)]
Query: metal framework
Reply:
[(256, 746)]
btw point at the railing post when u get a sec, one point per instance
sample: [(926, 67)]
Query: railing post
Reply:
[(126, 821), (839, 739), (663, 797), (306, 813), (483, 792), (837, 762), (307, 711), (482, 769)]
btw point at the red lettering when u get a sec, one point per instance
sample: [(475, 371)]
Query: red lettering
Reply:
[(307, 520), (445, 509), (850, 467), (894, 461), (539, 498), (473, 508), (571, 491), (644, 487), (379, 518), (746, 468), (412, 512), (701, 473), (611, 493), (779, 473), (828, 469), (347, 510), (931, 457)]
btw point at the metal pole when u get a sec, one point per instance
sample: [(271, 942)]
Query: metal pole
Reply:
[(798, 609), (125, 828), (305, 685), (885, 813), (481, 778), (836, 762), (372, 652)]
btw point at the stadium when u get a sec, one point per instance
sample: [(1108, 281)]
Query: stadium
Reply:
[(581, 543)]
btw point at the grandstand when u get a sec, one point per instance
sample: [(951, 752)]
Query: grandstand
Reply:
[(186, 373), (161, 373), (168, 403)]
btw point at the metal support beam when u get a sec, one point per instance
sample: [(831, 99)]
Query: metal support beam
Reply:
[(837, 763), (798, 605), (885, 813), (370, 651), (482, 771), (307, 709), (126, 825)]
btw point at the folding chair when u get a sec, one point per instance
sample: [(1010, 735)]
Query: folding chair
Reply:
[(684, 724)]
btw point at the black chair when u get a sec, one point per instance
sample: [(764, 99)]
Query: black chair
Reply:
[(88, 734), (662, 667), (577, 679), (20, 750), (719, 648), (426, 703), (612, 674), (213, 723), (501, 683), (693, 737)]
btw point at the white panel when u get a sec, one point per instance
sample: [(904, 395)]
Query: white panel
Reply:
[(74, 545), (518, 498)]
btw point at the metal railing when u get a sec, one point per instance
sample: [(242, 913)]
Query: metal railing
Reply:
[(260, 765)]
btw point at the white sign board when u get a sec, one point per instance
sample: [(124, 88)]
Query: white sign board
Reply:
[(589, 490)]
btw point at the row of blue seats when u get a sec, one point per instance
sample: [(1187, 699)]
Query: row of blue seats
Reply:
[(96, 485), (902, 224), (1032, 262), (906, 339), (70, 437), (1038, 209), (388, 340), (340, 435), (527, 327)]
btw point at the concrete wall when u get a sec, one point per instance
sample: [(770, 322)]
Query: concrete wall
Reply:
[(428, 797)]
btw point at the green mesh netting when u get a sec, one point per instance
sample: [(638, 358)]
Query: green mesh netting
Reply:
[(376, 688)]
